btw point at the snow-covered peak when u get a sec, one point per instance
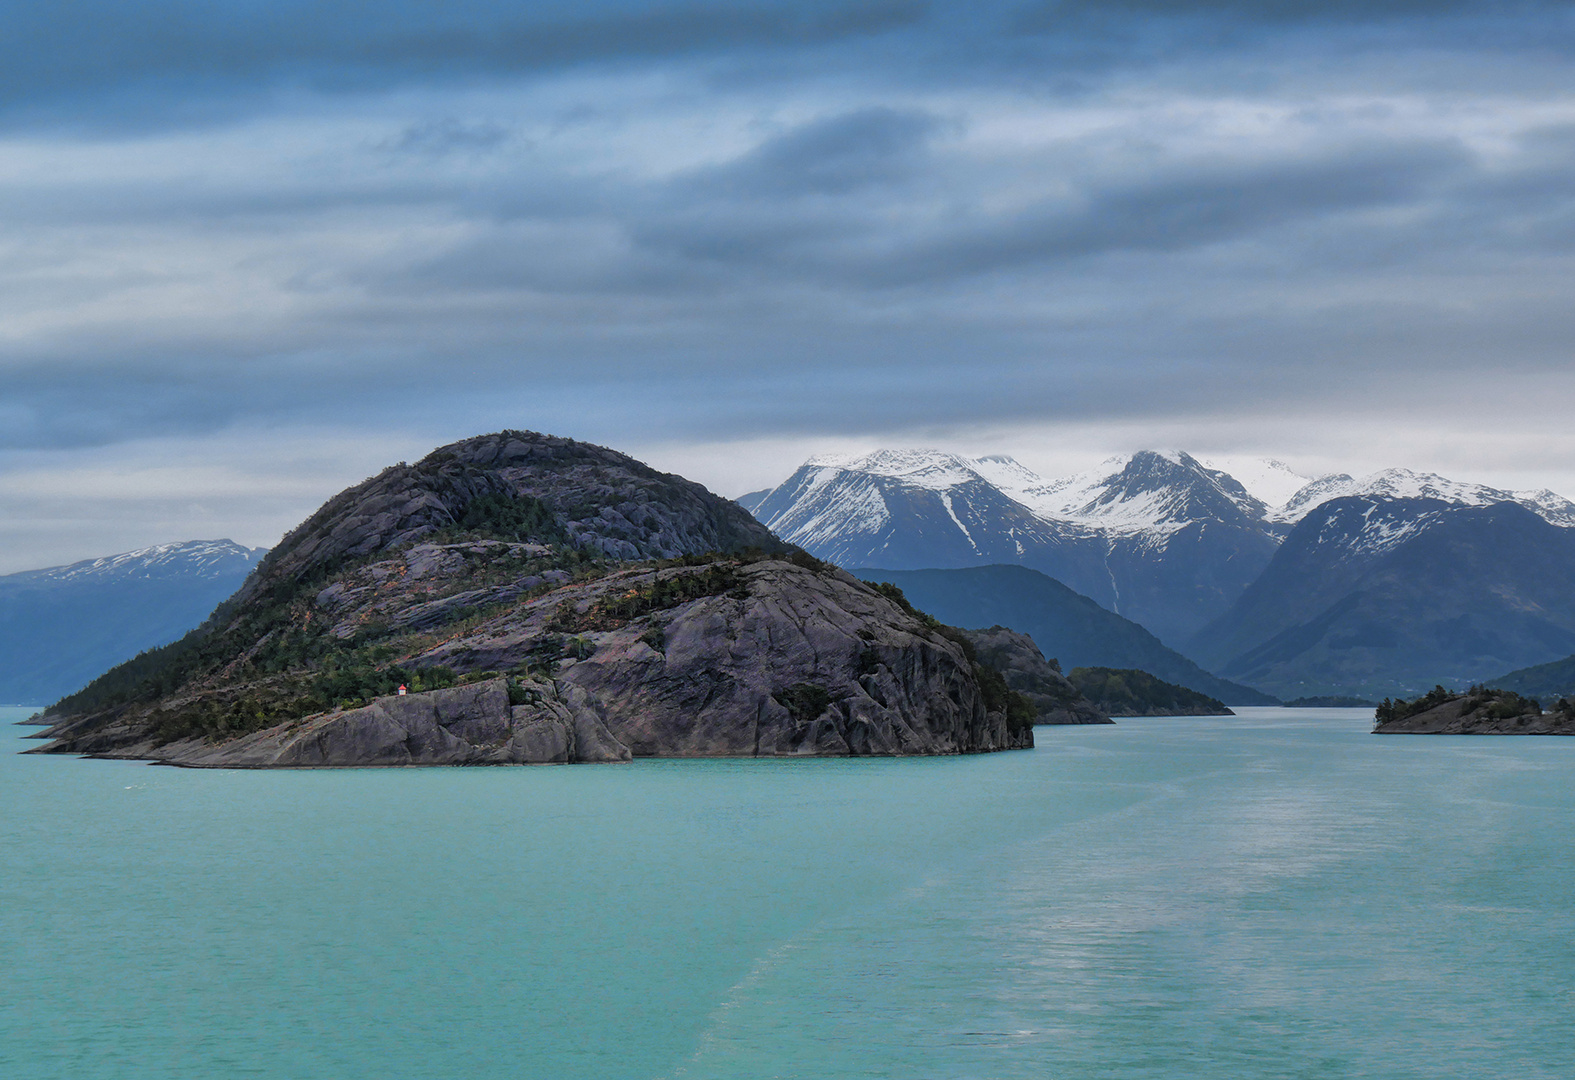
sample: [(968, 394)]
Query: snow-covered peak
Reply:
[(932, 469), (1145, 497), (1406, 484), (1268, 480), (1154, 492), (187, 558), (1149, 491), (1551, 505), (1376, 525), (1006, 473)]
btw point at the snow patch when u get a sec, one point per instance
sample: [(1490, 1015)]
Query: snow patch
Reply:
[(1271, 482), (196, 558), (1405, 484)]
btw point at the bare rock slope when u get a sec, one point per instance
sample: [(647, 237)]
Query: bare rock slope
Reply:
[(545, 601), (1027, 671)]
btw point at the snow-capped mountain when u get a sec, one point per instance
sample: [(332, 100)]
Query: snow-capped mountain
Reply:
[(1271, 482), (197, 559), (1161, 538), (1149, 493), (906, 509), (1405, 484), (1374, 595), (62, 625)]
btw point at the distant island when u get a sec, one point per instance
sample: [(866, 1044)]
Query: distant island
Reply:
[(1129, 692), (1477, 711), (523, 598), (1330, 701)]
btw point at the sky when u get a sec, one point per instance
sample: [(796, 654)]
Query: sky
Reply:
[(252, 253)]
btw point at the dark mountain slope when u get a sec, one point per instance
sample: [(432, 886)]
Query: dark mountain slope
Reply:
[(1374, 596), (62, 626), (1026, 670), (1065, 625), (601, 502), (1546, 682), (1126, 692)]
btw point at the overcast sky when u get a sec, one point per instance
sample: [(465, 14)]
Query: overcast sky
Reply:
[(252, 252)]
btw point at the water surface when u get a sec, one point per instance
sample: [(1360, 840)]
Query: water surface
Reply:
[(1274, 895)]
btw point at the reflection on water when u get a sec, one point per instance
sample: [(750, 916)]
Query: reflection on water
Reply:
[(1275, 895)]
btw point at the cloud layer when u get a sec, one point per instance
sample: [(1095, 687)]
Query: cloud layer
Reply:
[(681, 225)]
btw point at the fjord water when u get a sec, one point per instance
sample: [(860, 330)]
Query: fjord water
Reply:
[(1278, 894)]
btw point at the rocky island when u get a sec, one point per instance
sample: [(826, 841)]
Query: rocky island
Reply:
[(1478, 711), (1131, 692), (522, 598)]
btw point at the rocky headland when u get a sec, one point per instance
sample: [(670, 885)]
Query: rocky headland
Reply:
[(543, 600), (1478, 711), (1023, 665)]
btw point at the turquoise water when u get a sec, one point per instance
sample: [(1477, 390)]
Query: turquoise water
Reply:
[(1276, 895)]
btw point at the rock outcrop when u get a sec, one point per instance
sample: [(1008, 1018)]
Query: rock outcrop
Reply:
[(602, 502), (525, 640), (796, 661), (1476, 712), (464, 725), (1027, 671)]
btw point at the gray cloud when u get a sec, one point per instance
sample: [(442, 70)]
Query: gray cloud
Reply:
[(832, 156), (73, 59), (834, 220), (447, 135)]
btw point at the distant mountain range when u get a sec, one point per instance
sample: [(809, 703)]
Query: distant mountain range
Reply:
[(1175, 544), (1161, 538), (1066, 626), (61, 626), (1372, 595)]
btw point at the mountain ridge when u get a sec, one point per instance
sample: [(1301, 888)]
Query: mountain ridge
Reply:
[(62, 625), (1374, 596), (1160, 537)]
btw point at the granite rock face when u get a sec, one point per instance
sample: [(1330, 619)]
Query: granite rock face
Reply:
[(805, 663), (604, 501), (464, 725), (1027, 671), (787, 660)]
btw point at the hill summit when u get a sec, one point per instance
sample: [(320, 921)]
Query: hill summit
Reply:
[(520, 597)]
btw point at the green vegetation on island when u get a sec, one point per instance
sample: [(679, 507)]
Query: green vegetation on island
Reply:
[(1545, 681), (1129, 692), (1481, 710)]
